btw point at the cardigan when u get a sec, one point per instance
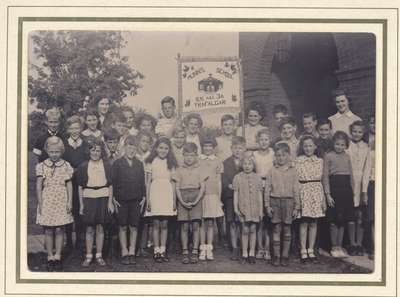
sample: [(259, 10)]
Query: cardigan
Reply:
[(83, 177), (230, 170)]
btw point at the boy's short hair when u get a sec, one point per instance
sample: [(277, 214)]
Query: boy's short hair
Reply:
[(111, 134), (130, 140), (227, 117), (282, 146), (262, 131), (193, 116), (280, 108), (289, 120), (358, 124), (209, 140), (167, 99), (90, 112), (310, 115), (178, 129), (142, 134), (238, 140), (189, 148), (54, 140), (53, 113), (338, 92), (324, 121), (73, 120), (341, 135)]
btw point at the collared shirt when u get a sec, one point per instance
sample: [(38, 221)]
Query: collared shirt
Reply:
[(190, 177), (96, 178), (87, 133), (264, 162), (282, 181), (178, 152), (75, 143), (342, 121), (361, 168), (224, 144), (335, 164)]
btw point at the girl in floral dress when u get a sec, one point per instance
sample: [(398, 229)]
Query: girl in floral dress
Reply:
[(309, 169), (54, 193)]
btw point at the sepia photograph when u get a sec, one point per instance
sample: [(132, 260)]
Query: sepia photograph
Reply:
[(204, 152)]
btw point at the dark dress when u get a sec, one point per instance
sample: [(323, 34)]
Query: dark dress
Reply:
[(230, 170)]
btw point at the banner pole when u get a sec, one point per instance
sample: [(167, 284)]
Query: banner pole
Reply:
[(241, 95), (180, 106)]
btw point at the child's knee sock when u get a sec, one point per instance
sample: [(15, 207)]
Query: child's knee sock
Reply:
[(286, 245), (351, 226), (276, 245)]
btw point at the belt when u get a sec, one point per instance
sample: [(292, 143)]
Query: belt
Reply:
[(309, 181), (96, 188)]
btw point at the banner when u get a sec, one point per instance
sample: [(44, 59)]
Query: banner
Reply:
[(209, 85)]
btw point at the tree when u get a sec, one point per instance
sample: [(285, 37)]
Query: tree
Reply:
[(73, 66)]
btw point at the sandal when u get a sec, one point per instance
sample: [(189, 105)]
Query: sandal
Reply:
[(101, 261), (194, 257)]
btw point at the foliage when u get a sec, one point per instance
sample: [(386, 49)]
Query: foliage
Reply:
[(71, 66)]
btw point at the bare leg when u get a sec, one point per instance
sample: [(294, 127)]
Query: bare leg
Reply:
[(132, 240), (253, 239), (359, 229), (156, 234), (99, 239), (184, 236), (210, 231), (59, 242), (267, 245), (260, 233), (196, 235), (233, 233), (245, 240), (89, 240), (203, 232), (49, 242), (312, 234), (123, 240), (164, 234), (303, 236)]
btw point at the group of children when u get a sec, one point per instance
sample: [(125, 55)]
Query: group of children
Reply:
[(165, 180)]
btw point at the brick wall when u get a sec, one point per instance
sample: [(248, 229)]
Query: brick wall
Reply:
[(356, 73)]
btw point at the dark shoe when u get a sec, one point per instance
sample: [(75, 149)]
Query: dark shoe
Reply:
[(157, 258), (132, 259), (371, 257), (185, 259), (252, 260), (235, 254), (244, 260), (58, 265), (125, 260), (285, 261), (352, 250), (50, 265), (276, 261), (360, 251), (143, 253), (164, 257)]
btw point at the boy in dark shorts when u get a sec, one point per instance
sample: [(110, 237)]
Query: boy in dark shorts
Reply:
[(189, 191), (282, 202), (129, 192), (231, 168)]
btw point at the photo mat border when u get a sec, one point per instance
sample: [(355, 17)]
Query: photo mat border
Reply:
[(383, 22)]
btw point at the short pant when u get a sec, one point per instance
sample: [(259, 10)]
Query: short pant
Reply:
[(129, 213), (282, 210), (193, 214)]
